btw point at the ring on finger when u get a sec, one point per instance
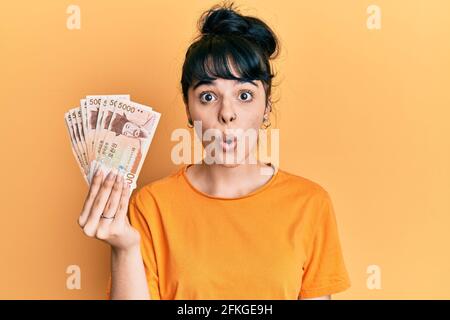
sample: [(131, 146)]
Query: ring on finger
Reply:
[(104, 217)]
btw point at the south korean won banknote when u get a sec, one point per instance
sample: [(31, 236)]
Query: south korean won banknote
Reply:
[(122, 143), (126, 131)]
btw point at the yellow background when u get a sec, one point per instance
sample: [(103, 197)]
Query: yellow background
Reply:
[(365, 113)]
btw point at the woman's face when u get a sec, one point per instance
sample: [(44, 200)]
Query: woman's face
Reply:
[(224, 104)]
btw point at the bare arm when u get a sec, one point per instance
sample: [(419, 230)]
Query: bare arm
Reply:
[(128, 279)]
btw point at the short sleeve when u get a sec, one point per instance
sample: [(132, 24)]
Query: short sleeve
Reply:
[(324, 271), (141, 205)]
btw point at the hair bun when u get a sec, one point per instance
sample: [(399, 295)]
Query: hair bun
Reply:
[(222, 20)]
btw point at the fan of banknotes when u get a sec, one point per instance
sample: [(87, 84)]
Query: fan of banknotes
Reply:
[(111, 131)]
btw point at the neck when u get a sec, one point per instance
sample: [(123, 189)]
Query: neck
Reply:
[(231, 181), (230, 173)]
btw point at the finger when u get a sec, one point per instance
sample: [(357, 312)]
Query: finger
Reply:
[(99, 203), (123, 203), (93, 190), (112, 205), (113, 202)]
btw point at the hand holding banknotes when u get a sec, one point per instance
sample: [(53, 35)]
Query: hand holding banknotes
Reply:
[(110, 136), (104, 213)]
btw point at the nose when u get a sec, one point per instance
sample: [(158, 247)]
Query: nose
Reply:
[(227, 113)]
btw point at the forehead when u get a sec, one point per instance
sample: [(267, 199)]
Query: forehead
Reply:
[(220, 81)]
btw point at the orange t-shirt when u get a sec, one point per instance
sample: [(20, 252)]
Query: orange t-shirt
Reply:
[(278, 242)]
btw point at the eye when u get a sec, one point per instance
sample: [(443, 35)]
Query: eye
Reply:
[(207, 97), (245, 95)]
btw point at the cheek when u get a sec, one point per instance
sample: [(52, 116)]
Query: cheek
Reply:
[(253, 120), (203, 114)]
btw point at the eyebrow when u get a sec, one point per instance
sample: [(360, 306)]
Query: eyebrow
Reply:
[(211, 82)]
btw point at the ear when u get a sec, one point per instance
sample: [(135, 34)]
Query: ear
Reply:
[(187, 112)]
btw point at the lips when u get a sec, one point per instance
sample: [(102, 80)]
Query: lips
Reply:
[(229, 139), (228, 143)]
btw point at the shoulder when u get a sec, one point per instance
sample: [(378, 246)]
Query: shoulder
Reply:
[(301, 185), (314, 200), (164, 186)]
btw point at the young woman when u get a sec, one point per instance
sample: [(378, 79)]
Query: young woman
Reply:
[(221, 230)]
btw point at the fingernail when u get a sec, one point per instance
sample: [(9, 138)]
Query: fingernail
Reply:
[(111, 175), (102, 168)]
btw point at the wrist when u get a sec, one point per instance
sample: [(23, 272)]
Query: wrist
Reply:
[(128, 251)]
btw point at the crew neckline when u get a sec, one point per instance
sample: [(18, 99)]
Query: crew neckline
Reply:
[(254, 192)]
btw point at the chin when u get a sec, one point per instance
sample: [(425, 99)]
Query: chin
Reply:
[(229, 165), (233, 162)]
